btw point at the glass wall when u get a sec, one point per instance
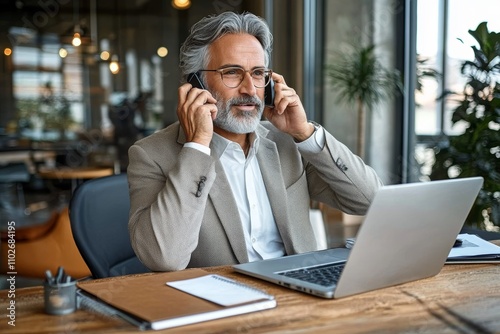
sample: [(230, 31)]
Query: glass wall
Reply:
[(455, 123), (444, 43), (364, 41)]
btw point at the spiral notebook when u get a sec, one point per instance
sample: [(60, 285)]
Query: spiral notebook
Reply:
[(150, 301), (220, 290)]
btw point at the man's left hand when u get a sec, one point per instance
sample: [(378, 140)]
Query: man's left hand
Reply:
[(288, 114)]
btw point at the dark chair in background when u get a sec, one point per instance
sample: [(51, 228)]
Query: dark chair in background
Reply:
[(99, 211), (12, 178)]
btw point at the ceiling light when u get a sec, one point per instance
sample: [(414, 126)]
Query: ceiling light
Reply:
[(105, 55), (63, 53), (114, 67), (77, 41), (7, 51), (181, 4), (162, 51)]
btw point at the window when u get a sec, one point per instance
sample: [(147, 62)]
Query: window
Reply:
[(444, 42), (47, 89)]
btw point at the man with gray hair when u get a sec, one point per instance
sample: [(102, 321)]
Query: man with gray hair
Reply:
[(223, 186)]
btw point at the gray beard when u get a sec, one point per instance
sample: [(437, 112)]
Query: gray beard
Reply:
[(243, 121)]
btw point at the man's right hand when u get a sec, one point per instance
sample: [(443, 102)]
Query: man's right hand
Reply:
[(196, 112)]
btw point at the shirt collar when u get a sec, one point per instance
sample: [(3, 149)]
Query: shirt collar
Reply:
[(221, 145)]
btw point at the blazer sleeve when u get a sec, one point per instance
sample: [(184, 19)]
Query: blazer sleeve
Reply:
[(167, 203), (339, 178)]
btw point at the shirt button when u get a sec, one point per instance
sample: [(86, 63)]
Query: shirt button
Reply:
[(253, 240)]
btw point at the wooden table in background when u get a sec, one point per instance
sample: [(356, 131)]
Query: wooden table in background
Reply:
[(75, 174), (28, 157), (460, 299)]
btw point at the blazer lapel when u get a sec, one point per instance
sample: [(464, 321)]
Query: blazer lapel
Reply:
[(272, 175), (227, 212)]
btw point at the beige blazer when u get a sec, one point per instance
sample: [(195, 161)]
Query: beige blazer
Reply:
[(176, 223)]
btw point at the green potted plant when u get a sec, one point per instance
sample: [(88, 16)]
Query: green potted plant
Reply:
[(476, 152), (360, 79)]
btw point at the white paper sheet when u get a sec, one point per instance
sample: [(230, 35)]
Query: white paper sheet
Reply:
[(220, 290), (472, 245)]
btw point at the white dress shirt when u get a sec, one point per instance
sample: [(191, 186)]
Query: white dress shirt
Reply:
[(262, 237)]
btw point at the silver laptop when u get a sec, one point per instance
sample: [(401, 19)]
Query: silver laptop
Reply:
[(407, 235)]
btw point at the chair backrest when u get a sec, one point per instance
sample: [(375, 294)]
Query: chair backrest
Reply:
[(99, 211)]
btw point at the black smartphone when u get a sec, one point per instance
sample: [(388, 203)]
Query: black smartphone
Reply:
[(269, 94), (195, 81)]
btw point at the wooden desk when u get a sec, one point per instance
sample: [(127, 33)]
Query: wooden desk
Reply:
[(461, 299)]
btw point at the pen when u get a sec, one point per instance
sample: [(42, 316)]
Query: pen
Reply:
[(59, 275), (48, 276)]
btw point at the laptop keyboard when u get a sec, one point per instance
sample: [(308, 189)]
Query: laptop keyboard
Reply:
[(326, 275)]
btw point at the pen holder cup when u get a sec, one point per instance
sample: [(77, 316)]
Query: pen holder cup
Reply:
[(60, 298)]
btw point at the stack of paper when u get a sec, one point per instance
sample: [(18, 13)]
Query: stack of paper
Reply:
[(474, 250)]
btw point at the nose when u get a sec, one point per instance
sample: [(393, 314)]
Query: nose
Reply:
[(247, 86)]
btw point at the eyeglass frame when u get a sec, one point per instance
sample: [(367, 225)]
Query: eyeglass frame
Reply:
[(268, 71)]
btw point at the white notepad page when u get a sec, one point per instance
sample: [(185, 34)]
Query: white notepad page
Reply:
[(472, 245), (220, 290)]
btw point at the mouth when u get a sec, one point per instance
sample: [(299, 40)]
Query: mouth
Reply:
[(245, 106)]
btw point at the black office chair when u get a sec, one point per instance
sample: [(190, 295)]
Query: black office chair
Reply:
[(98, 211)]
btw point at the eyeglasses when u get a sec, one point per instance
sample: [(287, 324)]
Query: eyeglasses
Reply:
[(232, 77)]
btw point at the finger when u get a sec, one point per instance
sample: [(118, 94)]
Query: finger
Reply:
[(194, 96), (201, 96), (193, 104), (285, 97), (278, 78), (182, 92), (213, 112)]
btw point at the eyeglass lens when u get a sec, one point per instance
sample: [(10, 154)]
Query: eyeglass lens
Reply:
[(233, 76)]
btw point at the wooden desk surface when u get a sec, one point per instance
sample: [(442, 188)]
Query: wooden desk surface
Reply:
[(460, 299)]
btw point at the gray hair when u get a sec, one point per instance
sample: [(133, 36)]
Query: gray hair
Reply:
[(194, 54)]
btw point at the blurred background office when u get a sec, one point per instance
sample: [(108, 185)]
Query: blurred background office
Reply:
[(81, 80)]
